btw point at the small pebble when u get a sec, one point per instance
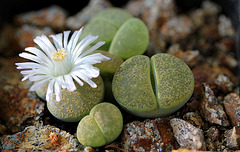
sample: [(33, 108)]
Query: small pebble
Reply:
[(53, 16), (194, 118), (213, 133), (25, 34), (210, 8), (232, 107), (233, 138), (190, 57), (19, 108), (41, 138), (177, 28), (187, 135), (81, 18), (149, 135), (225, 27), (154, 13), (224, 83), (210, 109)]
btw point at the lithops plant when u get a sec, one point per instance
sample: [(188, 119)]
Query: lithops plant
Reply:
[(101, 127), (153, 87), (75, 105), (125, 36), (105, 24), (131, 39), (108, 67), (63, 73)]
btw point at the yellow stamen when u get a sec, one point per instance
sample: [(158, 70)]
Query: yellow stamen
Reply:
[(59, 55)]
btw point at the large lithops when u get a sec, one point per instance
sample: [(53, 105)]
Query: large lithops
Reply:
[(125, 36), (153, 87), (102, 126), (75, 105)]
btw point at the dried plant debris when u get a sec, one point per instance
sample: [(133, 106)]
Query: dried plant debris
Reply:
[(41, 138), (211, 109), (149, 135), (187, 135)]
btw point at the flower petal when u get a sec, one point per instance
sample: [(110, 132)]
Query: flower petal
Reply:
[(83, 75), (91, 71), (43, 46), (93, 48), (76, 39), (38, 77), (65, 39), (49, 94), (91, 59), (77, 79), (70, 84), (38, 84), (31, 57), (57, 91), (39, 54), (83, 46), (57, 40), (48, 43), (27, 65)]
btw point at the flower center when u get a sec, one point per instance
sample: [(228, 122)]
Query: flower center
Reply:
[(59, 55), (62, 65)]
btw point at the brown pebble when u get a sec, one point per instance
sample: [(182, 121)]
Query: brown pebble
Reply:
[(41, 138), (194, 118), (81, 18), (190, 57), (177, 28), (187, 135), (53, 16), (232, 107), (149, 135), (211, 110), (233, 138), (19, 107), (213, 133), (26, 33), (223, 83)]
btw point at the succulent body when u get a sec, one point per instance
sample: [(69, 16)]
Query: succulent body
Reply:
[(153, 87), (125, 36), (102, 126), (75, 105)]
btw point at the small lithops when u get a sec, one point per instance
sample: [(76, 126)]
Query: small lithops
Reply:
[(75, 105), (153, 87), (107, 70), (101, 127), (125, 36), (108, 67)]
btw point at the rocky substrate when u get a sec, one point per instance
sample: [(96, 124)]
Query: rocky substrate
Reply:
[(202, 37)]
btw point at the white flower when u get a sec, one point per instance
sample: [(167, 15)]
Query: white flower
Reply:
[(61, 63)]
